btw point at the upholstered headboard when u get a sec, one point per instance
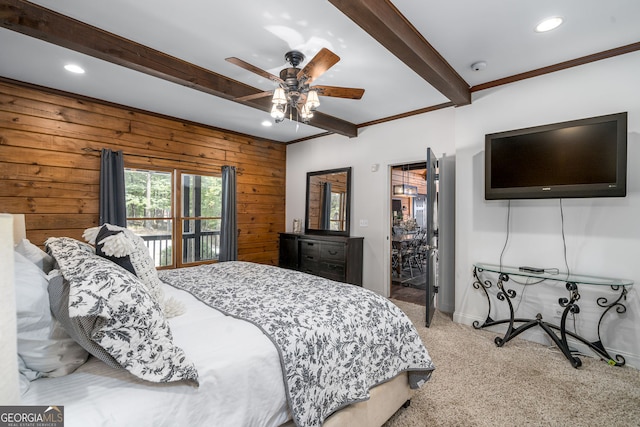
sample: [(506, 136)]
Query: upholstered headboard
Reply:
[(9, 390), (19, 229)]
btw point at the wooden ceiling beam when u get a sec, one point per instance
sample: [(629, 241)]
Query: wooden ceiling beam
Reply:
[(47, 25), (384, 22)]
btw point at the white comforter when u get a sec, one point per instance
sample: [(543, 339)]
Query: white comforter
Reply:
[(239, 373)]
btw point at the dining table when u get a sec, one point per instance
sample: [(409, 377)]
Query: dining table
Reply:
[(399, 243)]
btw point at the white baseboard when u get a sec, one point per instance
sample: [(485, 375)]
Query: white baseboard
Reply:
[(465, 319), (539, 336)]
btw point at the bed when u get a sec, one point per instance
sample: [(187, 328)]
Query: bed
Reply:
[(230, 344)]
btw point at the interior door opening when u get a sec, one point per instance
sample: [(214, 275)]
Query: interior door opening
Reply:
[(414, 233), (407, 232)]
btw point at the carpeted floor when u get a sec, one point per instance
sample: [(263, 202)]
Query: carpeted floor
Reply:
[(521, 384)]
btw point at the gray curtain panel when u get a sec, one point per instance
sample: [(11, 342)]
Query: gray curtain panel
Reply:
[(229, 224), (112, 203), (325, 214)]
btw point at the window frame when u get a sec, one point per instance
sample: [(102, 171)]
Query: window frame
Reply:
[(177, 215), (181, 218)]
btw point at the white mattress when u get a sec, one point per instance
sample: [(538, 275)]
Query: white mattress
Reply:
[(241, 381)]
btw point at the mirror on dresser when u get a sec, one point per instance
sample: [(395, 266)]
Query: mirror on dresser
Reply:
[(328, 203)]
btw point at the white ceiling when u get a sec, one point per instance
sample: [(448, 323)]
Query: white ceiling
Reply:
[(205, 32)]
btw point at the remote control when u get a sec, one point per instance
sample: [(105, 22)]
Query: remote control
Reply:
[(532, 269)]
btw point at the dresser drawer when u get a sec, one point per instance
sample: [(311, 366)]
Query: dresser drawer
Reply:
[(309, 250), (336, 258), (333, 271), (331, 252), (310, 266)]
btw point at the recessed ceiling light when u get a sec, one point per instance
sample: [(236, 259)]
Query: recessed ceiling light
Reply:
[(267, 123), (74, 68), (549, 24)]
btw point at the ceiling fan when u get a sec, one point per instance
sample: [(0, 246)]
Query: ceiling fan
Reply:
[(293, 94)]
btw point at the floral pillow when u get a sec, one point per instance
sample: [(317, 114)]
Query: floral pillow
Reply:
[(112, 315), (128, 250)]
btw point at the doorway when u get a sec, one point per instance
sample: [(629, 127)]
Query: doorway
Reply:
[(422, 233), (408, 226)]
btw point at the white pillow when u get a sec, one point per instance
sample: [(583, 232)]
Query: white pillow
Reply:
[(43, 344), (25, 375), (35, 255)]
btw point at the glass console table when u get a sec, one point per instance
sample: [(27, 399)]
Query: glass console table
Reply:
[(569, 305)]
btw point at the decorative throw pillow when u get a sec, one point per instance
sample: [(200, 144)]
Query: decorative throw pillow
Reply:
[(127, 249), (43, 346), (118, 249), (77, 327), (111, 313)]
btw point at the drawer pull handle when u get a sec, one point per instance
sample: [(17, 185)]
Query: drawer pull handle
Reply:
[(333, 252)]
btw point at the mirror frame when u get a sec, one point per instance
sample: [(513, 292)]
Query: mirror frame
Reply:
[(347, 221)]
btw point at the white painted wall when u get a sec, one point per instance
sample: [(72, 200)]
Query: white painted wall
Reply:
[(403, 141), (602, 235)]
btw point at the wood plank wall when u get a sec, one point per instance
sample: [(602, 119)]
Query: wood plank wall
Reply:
[(50, 146)]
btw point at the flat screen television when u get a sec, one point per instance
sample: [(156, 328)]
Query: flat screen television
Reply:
[(579, 158)]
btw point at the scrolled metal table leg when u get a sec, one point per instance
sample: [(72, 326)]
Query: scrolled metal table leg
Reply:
[(505, 295), (484, 285), (620, 309), (570, 306)]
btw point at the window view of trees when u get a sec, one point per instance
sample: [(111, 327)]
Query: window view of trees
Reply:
[(201, 210), (337, 211), (149, 214), (150, 196)]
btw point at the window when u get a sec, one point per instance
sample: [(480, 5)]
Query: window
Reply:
[(151, 198), (201, 215), (338, 214)]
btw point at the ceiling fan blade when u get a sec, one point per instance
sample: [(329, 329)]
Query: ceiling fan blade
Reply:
[(243, 64), (320, 63), (339, 92), (254, 96)]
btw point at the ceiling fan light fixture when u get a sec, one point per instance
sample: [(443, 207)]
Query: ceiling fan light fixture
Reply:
[(305, 113), (293, 97), (279, 97), (313, 101), (277, 112)]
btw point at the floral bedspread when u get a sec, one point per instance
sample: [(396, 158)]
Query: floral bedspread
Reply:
[(335, 340)]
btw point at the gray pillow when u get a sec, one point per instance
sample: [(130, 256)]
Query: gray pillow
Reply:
[(76, 327), (34, 254), (43, 345)]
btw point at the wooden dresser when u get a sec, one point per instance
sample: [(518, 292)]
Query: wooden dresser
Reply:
[(333, 257)]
